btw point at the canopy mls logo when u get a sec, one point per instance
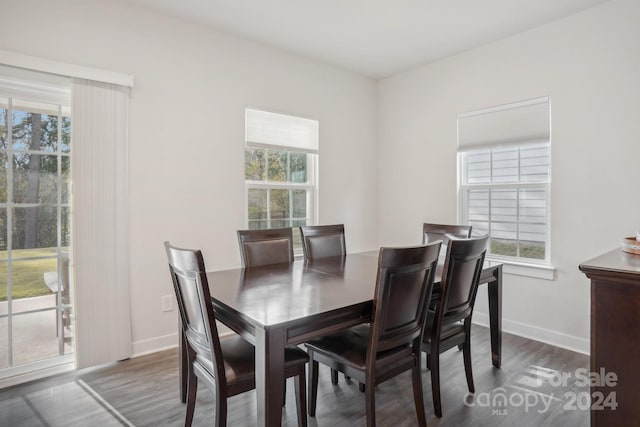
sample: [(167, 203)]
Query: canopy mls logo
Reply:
[(501, 401)]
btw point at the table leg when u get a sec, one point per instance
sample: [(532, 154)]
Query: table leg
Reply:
[(494, 289), (270, 346)]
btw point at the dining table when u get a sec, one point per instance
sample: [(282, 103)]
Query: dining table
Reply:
[(282, 305)]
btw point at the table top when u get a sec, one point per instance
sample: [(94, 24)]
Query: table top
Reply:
[(279, 293)]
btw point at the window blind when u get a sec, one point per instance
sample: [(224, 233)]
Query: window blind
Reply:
[(513, 124), (273, 130)]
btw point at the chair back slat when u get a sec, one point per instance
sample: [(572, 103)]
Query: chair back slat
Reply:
[(461, 277), (265, 247), (403, 289), (322, 241)]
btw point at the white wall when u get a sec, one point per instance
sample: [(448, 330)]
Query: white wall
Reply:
[(589, 65), (187, 132)]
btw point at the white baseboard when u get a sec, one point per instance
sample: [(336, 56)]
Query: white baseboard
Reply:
[(151, 345), (547, 336)]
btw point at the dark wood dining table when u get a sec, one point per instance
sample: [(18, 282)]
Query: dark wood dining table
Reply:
[(288, 304)]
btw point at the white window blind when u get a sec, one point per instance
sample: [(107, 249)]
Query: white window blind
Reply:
[(274, 130), (513, 124)]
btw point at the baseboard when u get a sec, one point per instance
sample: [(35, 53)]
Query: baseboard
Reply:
[(152, 345), (165, 342), (547, 336)]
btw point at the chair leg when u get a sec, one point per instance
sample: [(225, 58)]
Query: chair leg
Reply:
[(347, 377), (192, 388), (334, 377), (435, 381), (284, 392), (301, 398), (361, 387), (417, 394), (313, 387), (370, 398), (221, 410), (466, 354)]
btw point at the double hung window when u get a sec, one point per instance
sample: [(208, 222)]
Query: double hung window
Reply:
[(505, 178), (281, 154)]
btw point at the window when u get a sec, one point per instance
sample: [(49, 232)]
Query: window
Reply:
[(505, 177), (280, 164)]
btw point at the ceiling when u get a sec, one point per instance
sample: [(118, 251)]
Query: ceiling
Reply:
[(376, 38)]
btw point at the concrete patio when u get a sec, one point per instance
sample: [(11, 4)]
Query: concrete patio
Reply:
[(34, 334)]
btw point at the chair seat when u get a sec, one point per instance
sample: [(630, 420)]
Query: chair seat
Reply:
[(349, 347), (239, 359), (448, 330)]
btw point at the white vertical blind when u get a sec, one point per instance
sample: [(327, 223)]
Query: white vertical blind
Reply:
[(517, 123), (267, 129), (100, 222)]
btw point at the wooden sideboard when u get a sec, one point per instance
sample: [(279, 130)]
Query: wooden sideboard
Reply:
[(615, 336)]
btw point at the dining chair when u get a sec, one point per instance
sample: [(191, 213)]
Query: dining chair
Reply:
[(226, 366), (264, 247), (390, 344), (322, 241), (449, 324)]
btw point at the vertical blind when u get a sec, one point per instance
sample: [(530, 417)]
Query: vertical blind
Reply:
[(100, 226)]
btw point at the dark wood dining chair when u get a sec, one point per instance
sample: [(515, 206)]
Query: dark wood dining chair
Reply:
[(449, 325), (323, 241), (390, 344), (227, 366), (264, 247)]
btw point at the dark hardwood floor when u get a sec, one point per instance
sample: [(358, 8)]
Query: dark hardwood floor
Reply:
[(144, 392)]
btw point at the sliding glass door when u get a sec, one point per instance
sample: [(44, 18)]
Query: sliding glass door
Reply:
[(36, 330)]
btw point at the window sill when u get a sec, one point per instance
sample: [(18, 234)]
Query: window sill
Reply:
[(538, 271)]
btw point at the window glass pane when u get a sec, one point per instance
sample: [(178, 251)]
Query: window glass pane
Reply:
[(277, 166), (257, 204), (478, 205), (28, 280), (535, 163), (504, 247), (4, 348), (30, 328), (3, 233), (504, 164), (35, 178), (65, 190), (279, 207), (35, 126), (479, 167), (65, 227), (299, 203), (254, 164), (65, 127), (3, 176), (4, 112), (35, 227), (298, 165), (504, 205)]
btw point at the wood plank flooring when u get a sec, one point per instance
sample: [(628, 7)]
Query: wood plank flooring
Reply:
[(144, 392)]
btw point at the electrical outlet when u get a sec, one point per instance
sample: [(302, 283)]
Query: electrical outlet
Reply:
[(167, 303)]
